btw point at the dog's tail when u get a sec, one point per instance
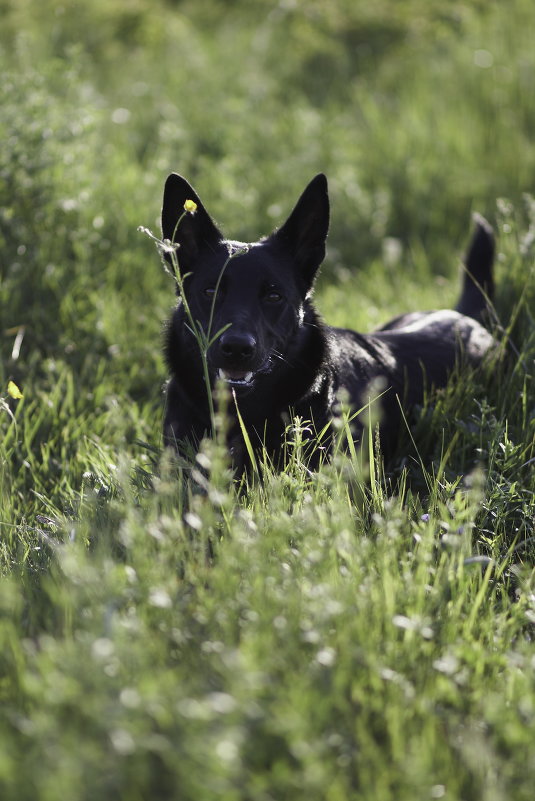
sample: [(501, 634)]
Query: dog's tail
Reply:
[(478, 283)]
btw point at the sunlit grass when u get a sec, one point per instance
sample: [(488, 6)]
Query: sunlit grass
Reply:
[(363, 631)]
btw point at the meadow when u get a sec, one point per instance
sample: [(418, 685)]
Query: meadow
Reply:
[(363, 632)]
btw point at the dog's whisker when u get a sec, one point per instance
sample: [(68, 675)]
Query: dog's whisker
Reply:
[(280, 357)]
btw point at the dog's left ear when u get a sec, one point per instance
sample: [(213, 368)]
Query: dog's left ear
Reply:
[(305, 231)]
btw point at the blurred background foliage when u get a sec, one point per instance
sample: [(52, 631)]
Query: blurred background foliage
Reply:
[(417, 111)]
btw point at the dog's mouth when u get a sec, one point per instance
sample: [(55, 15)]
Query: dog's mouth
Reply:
[(243, 378), (237, 378)]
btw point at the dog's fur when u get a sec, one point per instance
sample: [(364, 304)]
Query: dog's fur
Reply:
[(276, 354)]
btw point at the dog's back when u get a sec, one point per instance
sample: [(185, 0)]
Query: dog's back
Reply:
[(418, 350)]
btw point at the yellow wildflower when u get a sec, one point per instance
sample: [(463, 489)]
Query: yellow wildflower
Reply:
[(190, 206), (14, 391)]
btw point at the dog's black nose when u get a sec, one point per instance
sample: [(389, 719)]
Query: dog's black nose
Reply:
[(236, 347)]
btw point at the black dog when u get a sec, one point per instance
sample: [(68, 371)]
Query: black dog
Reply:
[(276, 353)]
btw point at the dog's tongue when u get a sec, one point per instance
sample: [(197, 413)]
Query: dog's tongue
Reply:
[(235, 375)]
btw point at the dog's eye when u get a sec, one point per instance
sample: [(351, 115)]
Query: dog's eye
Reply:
[(209, 292), (273, 296)]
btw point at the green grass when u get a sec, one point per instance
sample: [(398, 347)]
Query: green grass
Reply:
[(355, 633)]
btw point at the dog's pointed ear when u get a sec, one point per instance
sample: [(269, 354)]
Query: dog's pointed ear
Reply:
[(304, 233), (195, 231)]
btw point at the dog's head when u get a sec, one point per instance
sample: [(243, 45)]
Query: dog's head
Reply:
[(251, 299)]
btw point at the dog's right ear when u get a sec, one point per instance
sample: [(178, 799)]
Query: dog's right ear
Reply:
[(195, 231), (304, 233)]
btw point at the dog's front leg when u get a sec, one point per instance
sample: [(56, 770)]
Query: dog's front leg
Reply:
[(182, 421)]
